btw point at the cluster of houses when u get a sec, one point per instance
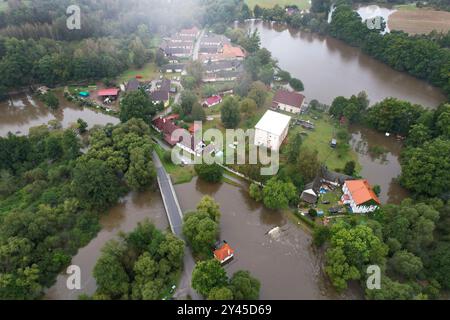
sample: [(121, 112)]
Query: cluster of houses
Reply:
[(186, 141), (180, 45), (222, 60), (271, 131)]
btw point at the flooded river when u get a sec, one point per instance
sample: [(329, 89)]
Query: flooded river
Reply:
[(23, 111), (330, 68), (286, 266), (382, 169), (124, 217)]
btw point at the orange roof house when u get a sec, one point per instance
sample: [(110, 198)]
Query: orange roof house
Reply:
[(230, 51), (224, 253), (360, 196)]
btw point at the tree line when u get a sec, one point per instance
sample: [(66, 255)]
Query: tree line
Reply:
[(423, 56), (51, 196)]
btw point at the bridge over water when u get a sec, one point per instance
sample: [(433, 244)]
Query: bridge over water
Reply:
[(175, 217)]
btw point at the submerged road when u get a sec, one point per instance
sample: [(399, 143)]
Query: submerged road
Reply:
[(175, 216)]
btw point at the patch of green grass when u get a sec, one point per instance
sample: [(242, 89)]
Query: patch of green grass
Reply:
[(320, 138), (148, 72), (178, 173), (406, 7), (333, 197), (302, 4)]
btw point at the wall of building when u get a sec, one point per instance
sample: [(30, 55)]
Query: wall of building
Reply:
[(268, 140)]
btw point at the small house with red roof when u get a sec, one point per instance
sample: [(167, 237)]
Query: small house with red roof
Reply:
[(212, 101), (224, 253), (166, 127), (288, 101), (359, 196), (109, 93)]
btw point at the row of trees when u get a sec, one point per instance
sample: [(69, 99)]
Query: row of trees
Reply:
[(49, 62), (141, 265), (210, 280), (51, 197), (420, 56)]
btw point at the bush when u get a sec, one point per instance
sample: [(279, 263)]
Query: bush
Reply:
[(209, 172), (296, 84)]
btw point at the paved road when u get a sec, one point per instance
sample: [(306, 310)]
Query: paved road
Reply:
[(168, 194), (175, 217), (197, 46)]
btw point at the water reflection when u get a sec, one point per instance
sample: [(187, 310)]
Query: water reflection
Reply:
[(382, 169), (330, 68), (23, 111)]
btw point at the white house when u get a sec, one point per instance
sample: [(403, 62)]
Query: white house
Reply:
[(359, 195), (288, 101), (271, 130)]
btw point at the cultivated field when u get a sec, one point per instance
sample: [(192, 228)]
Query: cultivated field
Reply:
[(302, 4), (420, 21)]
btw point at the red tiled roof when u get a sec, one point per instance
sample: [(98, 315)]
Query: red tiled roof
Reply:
[(167, 127), (231, 51), (108, 92), (294, 99), (213, 100), (223, 252), (361, 191)]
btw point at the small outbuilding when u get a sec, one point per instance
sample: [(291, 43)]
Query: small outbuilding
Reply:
[(224, 253), (309, 196)]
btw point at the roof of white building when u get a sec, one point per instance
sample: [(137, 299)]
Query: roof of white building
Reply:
[(273, 122)]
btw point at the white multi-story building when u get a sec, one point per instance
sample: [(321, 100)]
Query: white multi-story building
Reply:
[(271, 130)]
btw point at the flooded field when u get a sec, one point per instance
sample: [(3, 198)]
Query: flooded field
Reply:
[(23, 111)]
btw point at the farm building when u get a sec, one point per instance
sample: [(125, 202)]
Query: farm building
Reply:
[(288, 101)]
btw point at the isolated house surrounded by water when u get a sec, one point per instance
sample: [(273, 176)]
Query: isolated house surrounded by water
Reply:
[(271, 130), (359, 195), (224, 253), (288, 101)]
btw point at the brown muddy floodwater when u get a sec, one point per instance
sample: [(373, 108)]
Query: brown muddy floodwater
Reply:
[(329, 68), (286, 266), (380, 169), (23, 111), (124, 217)]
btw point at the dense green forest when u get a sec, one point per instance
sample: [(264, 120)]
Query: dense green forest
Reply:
[(141, 265), (409, 242), (36, 47), (51, 196)]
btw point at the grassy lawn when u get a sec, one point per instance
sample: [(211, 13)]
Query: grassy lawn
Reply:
[(302, 4), (320, 138), (333, 197), (148, 72), (179, 174), (406, 7)]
